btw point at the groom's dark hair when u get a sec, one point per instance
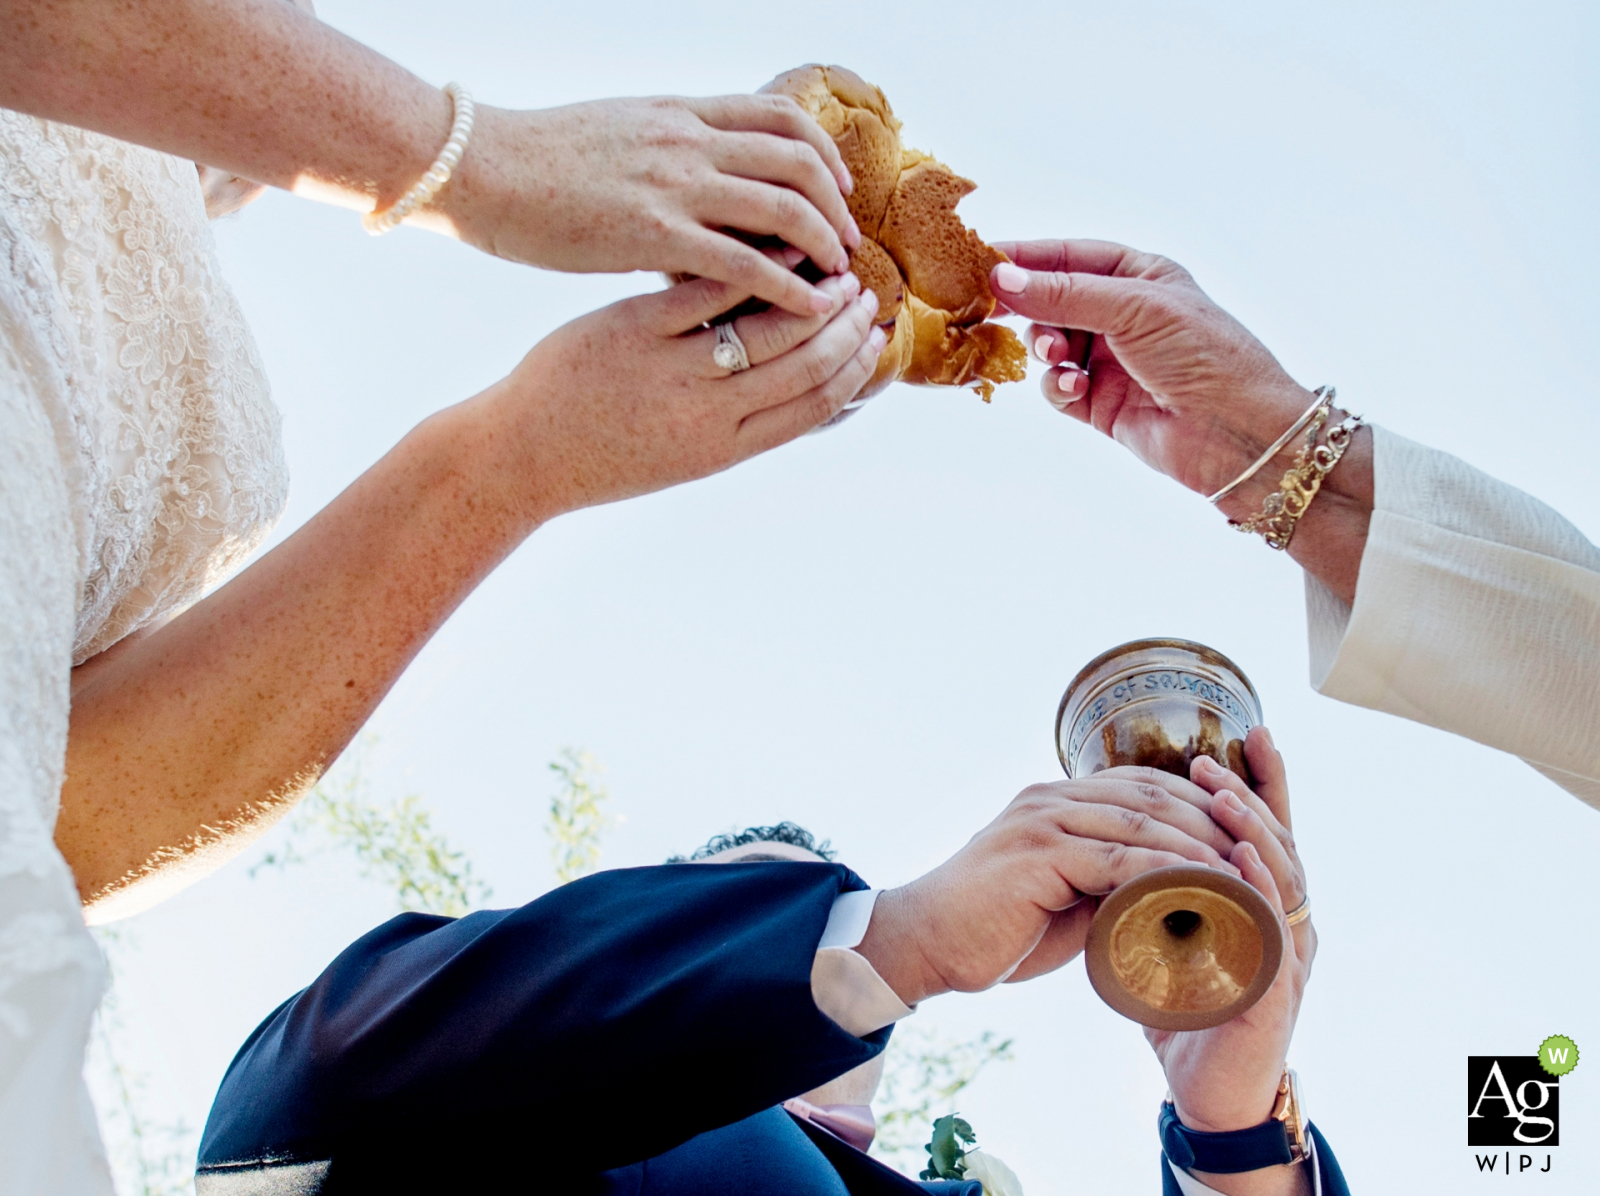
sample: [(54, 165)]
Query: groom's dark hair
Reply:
[(784, 832)]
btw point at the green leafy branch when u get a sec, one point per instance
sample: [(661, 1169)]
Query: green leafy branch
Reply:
[(577, 820), (946, 1155), (394, 842), (924, 1071)]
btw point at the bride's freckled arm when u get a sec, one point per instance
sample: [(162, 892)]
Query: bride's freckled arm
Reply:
[(264, 91), (188, 742), (253, 86)]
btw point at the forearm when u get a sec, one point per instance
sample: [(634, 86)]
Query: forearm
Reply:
[(256, 87), (189, 742), (889, 945)]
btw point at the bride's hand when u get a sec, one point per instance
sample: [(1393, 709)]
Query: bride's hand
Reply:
[(656, 184), (617, 185), (627, 399), (291, 657)]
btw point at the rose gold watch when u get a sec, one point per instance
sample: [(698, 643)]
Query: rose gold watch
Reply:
[(1290, 1109)]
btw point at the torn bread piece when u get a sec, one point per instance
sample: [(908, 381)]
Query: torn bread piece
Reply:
[(929, 270)]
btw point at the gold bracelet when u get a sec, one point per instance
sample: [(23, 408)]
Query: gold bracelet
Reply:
[(1283, 508)]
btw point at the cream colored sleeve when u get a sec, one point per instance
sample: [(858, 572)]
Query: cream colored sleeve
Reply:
[(1477, 611)]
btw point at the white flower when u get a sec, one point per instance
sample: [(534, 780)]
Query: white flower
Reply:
[(997, 1179)]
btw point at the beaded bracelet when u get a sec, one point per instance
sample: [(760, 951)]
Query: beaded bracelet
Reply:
[(437, 175), (1281, 511)]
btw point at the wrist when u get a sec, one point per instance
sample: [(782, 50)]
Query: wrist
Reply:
[(1237, 1113), (1330, 538), (476, 200), (1264, 420), (400, 124), (892, 947), (502, 485), (1266, 1158)]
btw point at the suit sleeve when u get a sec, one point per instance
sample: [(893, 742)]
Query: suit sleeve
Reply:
[(1477, 611), (617, 1017)]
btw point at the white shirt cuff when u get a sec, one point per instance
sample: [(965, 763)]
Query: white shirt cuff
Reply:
[(1190, 1186), (844, 985)]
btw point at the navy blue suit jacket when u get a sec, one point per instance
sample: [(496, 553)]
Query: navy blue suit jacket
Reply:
[(629, 1034), (594, 1036)]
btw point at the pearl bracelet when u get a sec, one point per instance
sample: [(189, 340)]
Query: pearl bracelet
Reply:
[(430, 184)]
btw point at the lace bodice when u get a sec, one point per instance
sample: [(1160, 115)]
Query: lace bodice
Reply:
[(175, 464), (139, 461)]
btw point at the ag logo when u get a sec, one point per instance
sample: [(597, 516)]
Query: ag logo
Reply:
[(1512, 1101)]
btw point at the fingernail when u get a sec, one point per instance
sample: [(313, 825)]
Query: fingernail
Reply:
[(843, 263), (1042, 347), (1271, 743), (846, 183), (1008, 277), (820, 301), (1071, 385), (792, 257), (851, 285), (1207, 763), (852, 236), (877, 339), (869, 300), (1231, 800)]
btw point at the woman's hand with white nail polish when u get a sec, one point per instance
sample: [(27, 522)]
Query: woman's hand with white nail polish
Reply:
[(1066, 385), (663, 184), (628, 399), (1171, 375), (1180, 383)]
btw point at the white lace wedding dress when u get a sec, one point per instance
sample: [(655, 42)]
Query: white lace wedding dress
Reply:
[(140, 460)]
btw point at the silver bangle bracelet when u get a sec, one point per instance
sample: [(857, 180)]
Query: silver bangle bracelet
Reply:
[(1324, 396)]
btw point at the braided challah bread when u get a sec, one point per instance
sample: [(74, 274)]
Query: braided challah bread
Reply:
[(929, 271)]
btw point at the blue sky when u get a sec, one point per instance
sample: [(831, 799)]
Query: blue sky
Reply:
[(868, 631)]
